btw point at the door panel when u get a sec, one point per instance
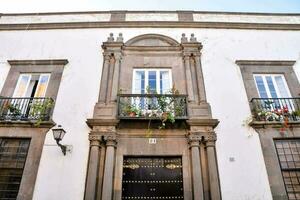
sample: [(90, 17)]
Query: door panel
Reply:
[(152, 178)]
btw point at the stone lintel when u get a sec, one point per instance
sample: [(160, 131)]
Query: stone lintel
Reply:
[(39, 62)]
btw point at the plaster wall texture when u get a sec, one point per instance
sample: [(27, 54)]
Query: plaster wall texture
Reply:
[(63, 177)]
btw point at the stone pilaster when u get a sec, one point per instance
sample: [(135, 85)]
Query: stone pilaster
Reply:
[(104, 78), (210, 140), (188, 75), (194, 142), (107, 190), (116, 75), (200, 79), (93, 167)]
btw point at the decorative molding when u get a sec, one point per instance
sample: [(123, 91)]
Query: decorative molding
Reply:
[(150, 24), (266, 62), (163, 38), (39, 62)]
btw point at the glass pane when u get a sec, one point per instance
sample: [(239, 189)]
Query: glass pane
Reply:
[(152, 81), (42, 85), (261, 87), (271, 87), (22, 85), (139, 82), (281, 87), (164, 82)]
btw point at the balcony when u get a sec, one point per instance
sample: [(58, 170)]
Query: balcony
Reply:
[(25, 109), (276, 109), (152, 106)]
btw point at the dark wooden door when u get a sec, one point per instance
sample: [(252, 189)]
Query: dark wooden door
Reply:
[(152, 178)]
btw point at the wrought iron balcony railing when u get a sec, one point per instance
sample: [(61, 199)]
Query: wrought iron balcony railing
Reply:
[(151, 106), (276, 109), (25, 109)]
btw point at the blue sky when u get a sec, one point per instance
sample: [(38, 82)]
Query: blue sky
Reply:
[(277, 6)]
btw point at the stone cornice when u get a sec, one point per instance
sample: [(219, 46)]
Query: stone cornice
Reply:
[(203, 122), (102, 122), (39, 62), (150, 24)]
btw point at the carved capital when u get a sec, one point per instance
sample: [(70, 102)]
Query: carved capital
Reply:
[(95, 140), (194, 139), (106, 57), (111, 140), (210, 139)]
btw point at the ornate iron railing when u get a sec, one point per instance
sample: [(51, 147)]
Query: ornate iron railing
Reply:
[(151, 106), (25, 109), (276, 109)]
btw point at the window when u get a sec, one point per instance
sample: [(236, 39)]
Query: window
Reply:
[(156, 80), (32, 85), (271, 86), (13, 153), (288, 152)]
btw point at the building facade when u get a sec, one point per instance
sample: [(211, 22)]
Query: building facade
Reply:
[(155, 105)]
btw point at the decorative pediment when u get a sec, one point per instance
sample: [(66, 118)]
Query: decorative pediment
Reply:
[(152, 40)]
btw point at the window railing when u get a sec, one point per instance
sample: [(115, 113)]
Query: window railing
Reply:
[(276, 109), (151, 106), (25, 109)]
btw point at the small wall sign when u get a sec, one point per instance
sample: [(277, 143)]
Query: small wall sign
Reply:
[(152, 140)]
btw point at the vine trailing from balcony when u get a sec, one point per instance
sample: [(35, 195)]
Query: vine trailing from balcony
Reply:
[(41, 110)]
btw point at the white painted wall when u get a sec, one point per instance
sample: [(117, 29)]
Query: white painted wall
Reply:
[(63, 177)]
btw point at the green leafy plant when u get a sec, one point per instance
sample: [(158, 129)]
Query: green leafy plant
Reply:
[(39, 110)]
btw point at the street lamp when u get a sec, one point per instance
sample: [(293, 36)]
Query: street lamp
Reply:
[(58, 134)]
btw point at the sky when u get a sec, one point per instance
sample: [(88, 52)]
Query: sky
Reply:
[(270, 6)]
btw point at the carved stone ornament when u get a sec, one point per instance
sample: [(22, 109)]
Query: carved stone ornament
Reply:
[(111, 38), (193, 38), (120, 38), (184, 38)]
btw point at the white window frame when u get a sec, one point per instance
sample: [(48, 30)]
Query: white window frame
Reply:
[(27, 84), (274, 83), (157, 71)]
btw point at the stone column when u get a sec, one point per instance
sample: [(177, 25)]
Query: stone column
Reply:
[(116, 75), (104, 78), (101, 171), (200, 80), (212, 166), (91, 182), (107, 191), (194, 141), (188, 77)]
